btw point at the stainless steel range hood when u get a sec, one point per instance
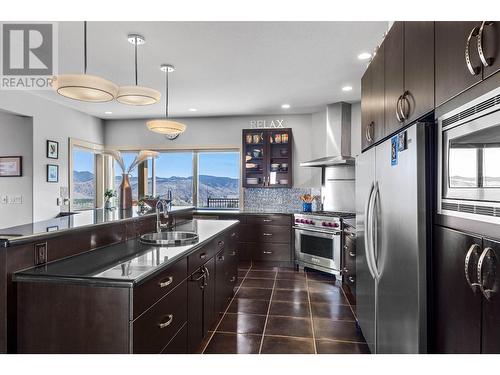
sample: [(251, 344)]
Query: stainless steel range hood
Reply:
[(337, 134)]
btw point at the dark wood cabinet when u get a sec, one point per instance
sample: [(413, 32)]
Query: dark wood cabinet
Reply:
[(393, 77), (491, 305), (267, 158), (349, 264), (372, 101), (465, 321), (418, 95), (452, 73), (209, 297)]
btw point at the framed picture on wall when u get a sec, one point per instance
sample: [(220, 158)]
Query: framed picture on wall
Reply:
[(11, 166), (52, 173), (52, 149)]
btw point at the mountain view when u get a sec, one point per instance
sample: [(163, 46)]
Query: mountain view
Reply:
[(182, 188)]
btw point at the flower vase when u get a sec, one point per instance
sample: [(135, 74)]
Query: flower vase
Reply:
[(125, 193)]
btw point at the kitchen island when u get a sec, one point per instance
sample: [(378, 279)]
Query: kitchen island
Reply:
[(129, 297)]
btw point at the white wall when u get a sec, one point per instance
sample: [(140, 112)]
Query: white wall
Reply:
[(215, 132), (55, 122), (17, 140)]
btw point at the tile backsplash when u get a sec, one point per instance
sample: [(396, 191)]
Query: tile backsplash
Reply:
[(282, 199)]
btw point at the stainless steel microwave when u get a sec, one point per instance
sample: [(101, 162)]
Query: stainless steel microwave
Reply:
[(469, 160)]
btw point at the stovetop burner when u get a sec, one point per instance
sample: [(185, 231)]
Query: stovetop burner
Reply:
[(339, 214)]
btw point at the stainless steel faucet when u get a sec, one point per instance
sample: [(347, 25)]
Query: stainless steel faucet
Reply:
[(163, 206)]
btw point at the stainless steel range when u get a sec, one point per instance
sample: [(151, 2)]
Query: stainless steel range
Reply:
[(318, 240)]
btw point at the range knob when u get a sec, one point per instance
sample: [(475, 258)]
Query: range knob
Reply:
[(297, 220), (335, 225)]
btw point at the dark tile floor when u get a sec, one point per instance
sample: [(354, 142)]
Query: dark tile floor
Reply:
[(277, 310)]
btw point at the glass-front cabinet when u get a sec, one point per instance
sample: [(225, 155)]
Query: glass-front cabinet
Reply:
[(267, 158)]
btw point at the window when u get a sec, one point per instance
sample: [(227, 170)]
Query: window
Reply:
[(202, 178), (218, 179), (84, 179), (174, 171)]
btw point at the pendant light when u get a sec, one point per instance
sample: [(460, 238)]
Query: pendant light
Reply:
[(85, 87), (171, 129), (137, 95)]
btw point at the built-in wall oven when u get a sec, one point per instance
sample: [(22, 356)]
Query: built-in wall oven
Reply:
[(469, 160), (318, 241)]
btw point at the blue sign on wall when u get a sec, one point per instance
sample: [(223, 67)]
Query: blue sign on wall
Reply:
[(394, 150)]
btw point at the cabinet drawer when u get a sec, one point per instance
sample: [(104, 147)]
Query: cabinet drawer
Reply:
[(265, 252), (154, 329), (270, 220), (273, 233), (178, 345), (202, 255), (147, 293)]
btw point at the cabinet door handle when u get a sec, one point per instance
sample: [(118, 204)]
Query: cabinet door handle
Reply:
[(474, 249), (474, 70), (399, 114), (487, 61), (367, 132), (351, 279), (267, 234), (233, 234), (203, 255), (405, 111), (220, 243), (266, 220), (220, 257), (484, 255), (167, 282), (233, 279), (232, 253), (352, 254), (168, 322), (267, 252)]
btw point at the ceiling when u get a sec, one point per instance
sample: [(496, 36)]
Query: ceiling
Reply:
[(223, 68)]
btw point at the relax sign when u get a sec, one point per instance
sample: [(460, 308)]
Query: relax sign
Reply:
[(265, 124)]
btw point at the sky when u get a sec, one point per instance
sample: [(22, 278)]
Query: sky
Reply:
[(221, 164)]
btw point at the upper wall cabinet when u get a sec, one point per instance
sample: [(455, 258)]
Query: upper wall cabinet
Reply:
[(409, 73), (466, 53), (372, 101), (398, 86)]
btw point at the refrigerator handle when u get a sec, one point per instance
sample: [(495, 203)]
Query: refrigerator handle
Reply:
[(368, 239), (372, 228)]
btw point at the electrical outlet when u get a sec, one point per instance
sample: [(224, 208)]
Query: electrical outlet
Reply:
[(40, 253)]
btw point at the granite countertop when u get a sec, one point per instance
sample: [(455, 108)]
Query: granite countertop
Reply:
[(125, 264), (81, 219)]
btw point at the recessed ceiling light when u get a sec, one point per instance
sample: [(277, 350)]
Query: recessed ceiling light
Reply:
[(192, 109), (108, 113), (347, 88), (364, 56), (285, 106)]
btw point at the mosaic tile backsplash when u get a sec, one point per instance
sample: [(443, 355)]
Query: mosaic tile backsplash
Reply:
[(283, 199)]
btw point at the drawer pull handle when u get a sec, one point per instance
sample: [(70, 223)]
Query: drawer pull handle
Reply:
[(352, 254), (267, 252), (233, 279), (232, 253), (167, 282), (233, 234), (266, 220), (203, 256), (168, 322), (352, 234), (267, 234), (221, 258), (351, 279), (346, 247), (220, 243)]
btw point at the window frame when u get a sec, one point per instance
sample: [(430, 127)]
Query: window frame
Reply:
[(99, 171), (195, 152)]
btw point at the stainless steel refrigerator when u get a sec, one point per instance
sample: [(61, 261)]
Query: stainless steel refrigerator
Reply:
[(391, 223)]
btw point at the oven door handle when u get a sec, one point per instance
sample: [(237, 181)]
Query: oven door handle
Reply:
[(317, 233)]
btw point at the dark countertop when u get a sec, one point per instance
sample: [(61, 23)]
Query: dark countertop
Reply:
[(125, 264), (82, 219)]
